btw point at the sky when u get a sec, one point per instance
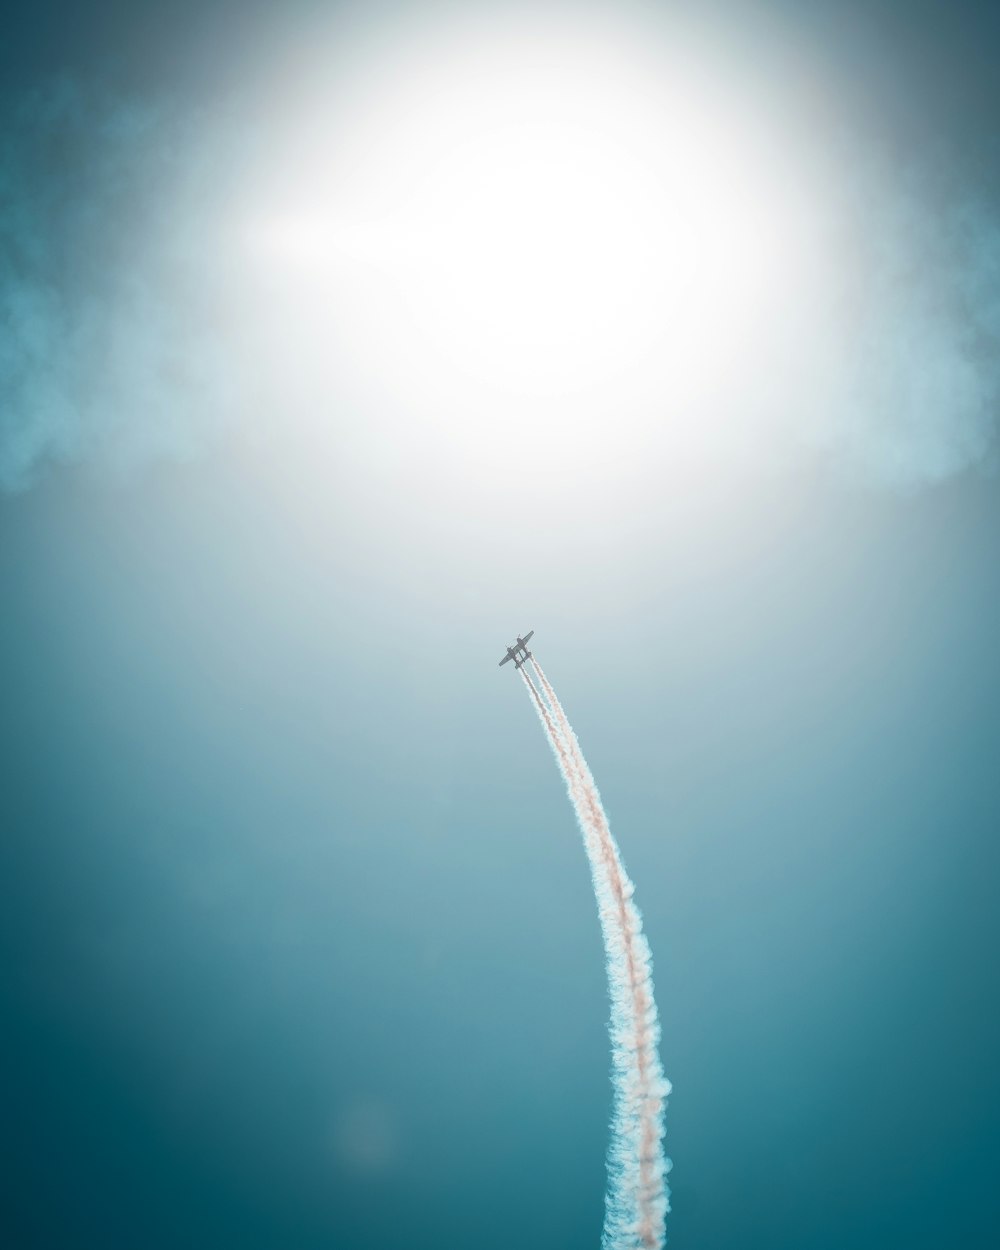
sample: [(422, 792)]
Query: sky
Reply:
[(342, 343)]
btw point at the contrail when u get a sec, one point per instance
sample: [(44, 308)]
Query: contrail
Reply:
[(637, 1198)]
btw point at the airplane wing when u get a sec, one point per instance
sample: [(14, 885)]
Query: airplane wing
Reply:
[(504, 660), (528, 634)]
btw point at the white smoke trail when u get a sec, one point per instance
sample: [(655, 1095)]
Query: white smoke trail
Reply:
[(637, 1198)]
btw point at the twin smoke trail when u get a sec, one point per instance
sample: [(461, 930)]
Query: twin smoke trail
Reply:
[(637, 1197)]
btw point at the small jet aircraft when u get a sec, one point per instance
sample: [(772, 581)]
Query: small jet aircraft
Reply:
[(518, 651)]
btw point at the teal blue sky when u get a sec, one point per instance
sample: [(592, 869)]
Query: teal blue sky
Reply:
[(297, 943)]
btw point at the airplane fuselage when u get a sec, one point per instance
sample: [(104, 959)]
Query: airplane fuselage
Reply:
[(518, 651)]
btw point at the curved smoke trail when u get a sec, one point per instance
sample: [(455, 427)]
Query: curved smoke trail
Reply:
[(637, 1198)]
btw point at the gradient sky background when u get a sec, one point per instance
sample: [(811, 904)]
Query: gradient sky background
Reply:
[(297, 944)]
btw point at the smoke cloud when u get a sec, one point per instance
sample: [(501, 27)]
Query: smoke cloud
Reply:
[(637, 1197)]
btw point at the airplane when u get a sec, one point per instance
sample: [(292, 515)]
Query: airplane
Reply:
[(515, 650)]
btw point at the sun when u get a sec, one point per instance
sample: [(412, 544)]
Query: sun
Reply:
[(553, 224)]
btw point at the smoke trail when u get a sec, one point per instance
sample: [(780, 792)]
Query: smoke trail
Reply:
[(637, 1198)]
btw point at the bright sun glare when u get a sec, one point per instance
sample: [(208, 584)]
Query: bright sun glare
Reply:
[(552, 223)]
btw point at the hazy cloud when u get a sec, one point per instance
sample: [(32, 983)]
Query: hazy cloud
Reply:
[(121, 344), (921, 335), (111, 345)]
